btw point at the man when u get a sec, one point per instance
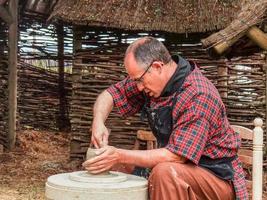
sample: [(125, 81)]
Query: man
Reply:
[(197, 158)]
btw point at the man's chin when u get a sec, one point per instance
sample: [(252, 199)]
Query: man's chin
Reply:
[(155, 96), (152, 95)]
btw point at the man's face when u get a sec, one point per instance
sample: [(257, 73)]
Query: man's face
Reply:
[(148, 79)]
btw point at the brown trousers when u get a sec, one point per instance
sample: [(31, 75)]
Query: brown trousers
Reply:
[(175, 181)]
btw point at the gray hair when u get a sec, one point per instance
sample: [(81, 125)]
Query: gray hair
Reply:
[(149, 49)]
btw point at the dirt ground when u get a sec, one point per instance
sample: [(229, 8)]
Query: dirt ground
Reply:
[(23, 172), (38, 154)]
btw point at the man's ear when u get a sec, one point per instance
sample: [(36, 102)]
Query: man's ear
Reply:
[(157, 65)]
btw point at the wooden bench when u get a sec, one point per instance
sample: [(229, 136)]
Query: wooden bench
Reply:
[(252, 157)]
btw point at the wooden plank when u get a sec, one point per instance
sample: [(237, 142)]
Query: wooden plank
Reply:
[(245, 152), (145, 135), (245, 159), (249, 185)]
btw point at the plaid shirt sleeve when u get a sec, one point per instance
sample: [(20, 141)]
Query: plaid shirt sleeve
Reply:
[(127, 99), (190, 134)]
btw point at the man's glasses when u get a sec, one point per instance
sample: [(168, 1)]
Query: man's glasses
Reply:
[(140, 79)]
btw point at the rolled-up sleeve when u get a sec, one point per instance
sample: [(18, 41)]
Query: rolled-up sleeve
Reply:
[(127, 99)]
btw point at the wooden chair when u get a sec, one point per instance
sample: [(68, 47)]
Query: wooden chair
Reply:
[(147, 137), (252, 157)]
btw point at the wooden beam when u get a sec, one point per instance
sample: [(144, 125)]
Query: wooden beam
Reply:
[(257, 36), (12, 75), (220, 48), (4, 14), (254, 33)]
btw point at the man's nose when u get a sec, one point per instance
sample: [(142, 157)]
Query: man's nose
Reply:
[(140, 86)]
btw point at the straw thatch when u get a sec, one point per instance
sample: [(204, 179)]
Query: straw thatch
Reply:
[(180, 16), (253, 13)]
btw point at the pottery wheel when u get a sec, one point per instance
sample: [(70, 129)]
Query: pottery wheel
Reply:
[(84, 176)]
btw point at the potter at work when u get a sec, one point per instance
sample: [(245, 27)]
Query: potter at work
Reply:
[(82, 185), (197, 155)]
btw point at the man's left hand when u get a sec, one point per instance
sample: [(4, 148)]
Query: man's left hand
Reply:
[(106, 158)]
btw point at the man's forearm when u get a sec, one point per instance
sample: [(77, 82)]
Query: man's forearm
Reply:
[(148, 158), (103, 106)]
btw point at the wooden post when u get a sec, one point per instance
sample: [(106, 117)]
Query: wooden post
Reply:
[(257, 168), (77, 45), (265, 69), (12, 75), (222, 82), (61, 87)]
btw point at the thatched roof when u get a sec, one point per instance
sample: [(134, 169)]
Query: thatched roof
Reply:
[(178, 16), (253, 13)]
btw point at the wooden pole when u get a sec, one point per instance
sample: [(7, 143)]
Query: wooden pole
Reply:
[(223, 46), (61, 87), (265, 68), (77, 45), (254, 33), (257, 36), (257, 168), (12, 75)]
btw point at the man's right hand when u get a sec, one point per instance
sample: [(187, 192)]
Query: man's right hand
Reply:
[(100, 135)]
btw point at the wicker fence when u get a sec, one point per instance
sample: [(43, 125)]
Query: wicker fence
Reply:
[(240, 81), (38, 102), (38, 99), (3, 100), (98, 64), (91, 77)]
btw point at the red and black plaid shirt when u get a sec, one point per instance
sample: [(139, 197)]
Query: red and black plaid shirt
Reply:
[(200, 125)]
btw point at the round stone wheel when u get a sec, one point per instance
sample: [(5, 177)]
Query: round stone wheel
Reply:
[(82, 185)]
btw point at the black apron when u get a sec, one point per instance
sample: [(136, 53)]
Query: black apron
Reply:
[(160, 119), (161, 122)]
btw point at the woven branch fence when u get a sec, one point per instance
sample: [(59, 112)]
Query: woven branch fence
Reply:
[(3, 100), (38, 99), (38, 102), (242, 89), (98, 64)]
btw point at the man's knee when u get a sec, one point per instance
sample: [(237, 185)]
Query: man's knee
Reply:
[(164, 171)]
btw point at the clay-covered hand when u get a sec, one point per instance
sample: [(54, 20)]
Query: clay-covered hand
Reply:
[(106, 158), (100, 135)]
